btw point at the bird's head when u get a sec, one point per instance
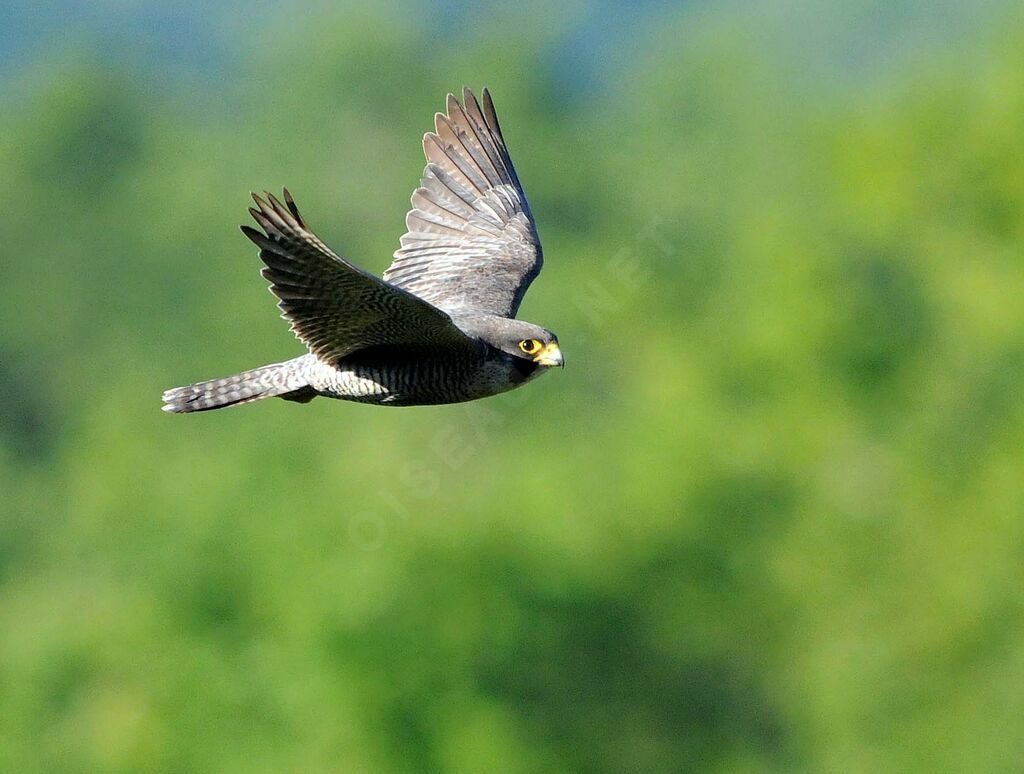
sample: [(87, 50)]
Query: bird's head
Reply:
[(524, 342), (530, 342)]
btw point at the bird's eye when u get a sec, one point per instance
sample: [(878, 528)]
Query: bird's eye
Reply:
[(529, 346)]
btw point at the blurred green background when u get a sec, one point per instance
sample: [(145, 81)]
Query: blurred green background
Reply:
[(769, 518)]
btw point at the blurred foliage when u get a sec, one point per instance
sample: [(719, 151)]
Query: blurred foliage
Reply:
[(768, 518)]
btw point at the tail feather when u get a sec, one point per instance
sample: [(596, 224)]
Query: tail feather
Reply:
[(287, 380)]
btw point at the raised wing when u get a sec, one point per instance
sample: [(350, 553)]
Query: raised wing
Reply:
[(336, 308), (471, 243)]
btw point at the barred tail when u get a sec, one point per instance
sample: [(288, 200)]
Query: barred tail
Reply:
[(287, 380)]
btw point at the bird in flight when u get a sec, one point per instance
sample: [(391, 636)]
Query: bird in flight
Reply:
[(440, 326)]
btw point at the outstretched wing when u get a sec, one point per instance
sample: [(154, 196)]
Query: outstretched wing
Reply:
[(471, 242), (336, 308)]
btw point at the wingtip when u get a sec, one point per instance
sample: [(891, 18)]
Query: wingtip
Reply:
[(263, 221), (468, 96), (293, 208), (431, 138), (275, 202)]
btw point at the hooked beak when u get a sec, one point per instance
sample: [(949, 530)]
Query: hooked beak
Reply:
[(550, 355)]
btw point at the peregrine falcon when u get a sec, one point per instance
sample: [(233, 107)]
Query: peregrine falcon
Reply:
[(440, 326)]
